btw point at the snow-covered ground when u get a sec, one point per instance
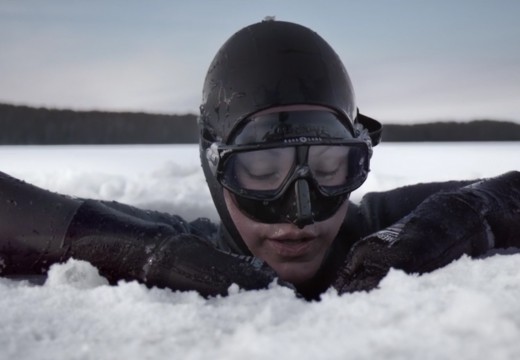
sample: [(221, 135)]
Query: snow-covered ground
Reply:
[(467, 310)]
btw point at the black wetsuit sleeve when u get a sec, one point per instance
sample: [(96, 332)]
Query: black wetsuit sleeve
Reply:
[(36, 224), (378, 210), (33, 224), (39, 228), (471, 220)]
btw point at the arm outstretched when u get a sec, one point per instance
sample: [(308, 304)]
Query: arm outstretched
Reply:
[(471, 220), (39, 228)]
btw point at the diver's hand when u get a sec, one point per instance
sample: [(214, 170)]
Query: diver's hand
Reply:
[(125, 244), (186, 262), (440, 230)]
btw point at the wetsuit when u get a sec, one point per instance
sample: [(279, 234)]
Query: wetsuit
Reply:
[(39, 228)]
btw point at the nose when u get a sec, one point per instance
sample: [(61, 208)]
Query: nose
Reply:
[(303, 214)]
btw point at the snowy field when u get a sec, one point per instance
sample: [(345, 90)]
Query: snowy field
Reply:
[(467, 310)]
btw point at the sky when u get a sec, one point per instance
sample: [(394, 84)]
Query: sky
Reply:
[(409, 60)]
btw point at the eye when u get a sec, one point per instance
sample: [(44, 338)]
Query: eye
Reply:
[(331, 173), (263, 169), (329, 164), (258, 176), (259, 171), (325, 174)]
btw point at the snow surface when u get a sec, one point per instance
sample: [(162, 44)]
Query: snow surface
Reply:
[(468, 310)]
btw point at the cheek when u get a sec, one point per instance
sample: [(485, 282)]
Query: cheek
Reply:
[(332, 225), (249, 229)]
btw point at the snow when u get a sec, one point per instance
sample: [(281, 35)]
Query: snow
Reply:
[(467, 310)]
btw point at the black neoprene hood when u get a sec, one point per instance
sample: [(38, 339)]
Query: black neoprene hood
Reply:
[(266, 65)]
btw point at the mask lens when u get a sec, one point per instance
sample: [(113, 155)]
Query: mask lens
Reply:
[(264, 174), (336, 168), (329, 164), (259, 170)]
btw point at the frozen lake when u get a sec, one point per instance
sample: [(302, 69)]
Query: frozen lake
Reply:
[(467, 310)]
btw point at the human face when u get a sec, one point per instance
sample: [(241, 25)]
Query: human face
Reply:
[(295, 254)]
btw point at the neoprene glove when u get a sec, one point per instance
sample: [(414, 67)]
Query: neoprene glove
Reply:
[(129, 248), (471, 220)]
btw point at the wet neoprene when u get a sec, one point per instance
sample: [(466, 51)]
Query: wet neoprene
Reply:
[(470, 220), (39, 228)]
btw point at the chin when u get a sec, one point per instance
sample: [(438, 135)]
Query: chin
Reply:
[(295, 273)]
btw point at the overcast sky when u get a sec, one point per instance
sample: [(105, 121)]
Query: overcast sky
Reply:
[(409, 60)]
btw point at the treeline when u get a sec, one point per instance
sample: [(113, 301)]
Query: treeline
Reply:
[(478, 130), (28, 125)]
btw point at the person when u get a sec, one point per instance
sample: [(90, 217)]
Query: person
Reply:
[(282, 147)]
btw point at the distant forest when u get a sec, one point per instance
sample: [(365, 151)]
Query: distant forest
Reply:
[(27, 125)]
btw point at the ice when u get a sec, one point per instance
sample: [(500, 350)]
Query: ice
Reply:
[(466, 310)]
